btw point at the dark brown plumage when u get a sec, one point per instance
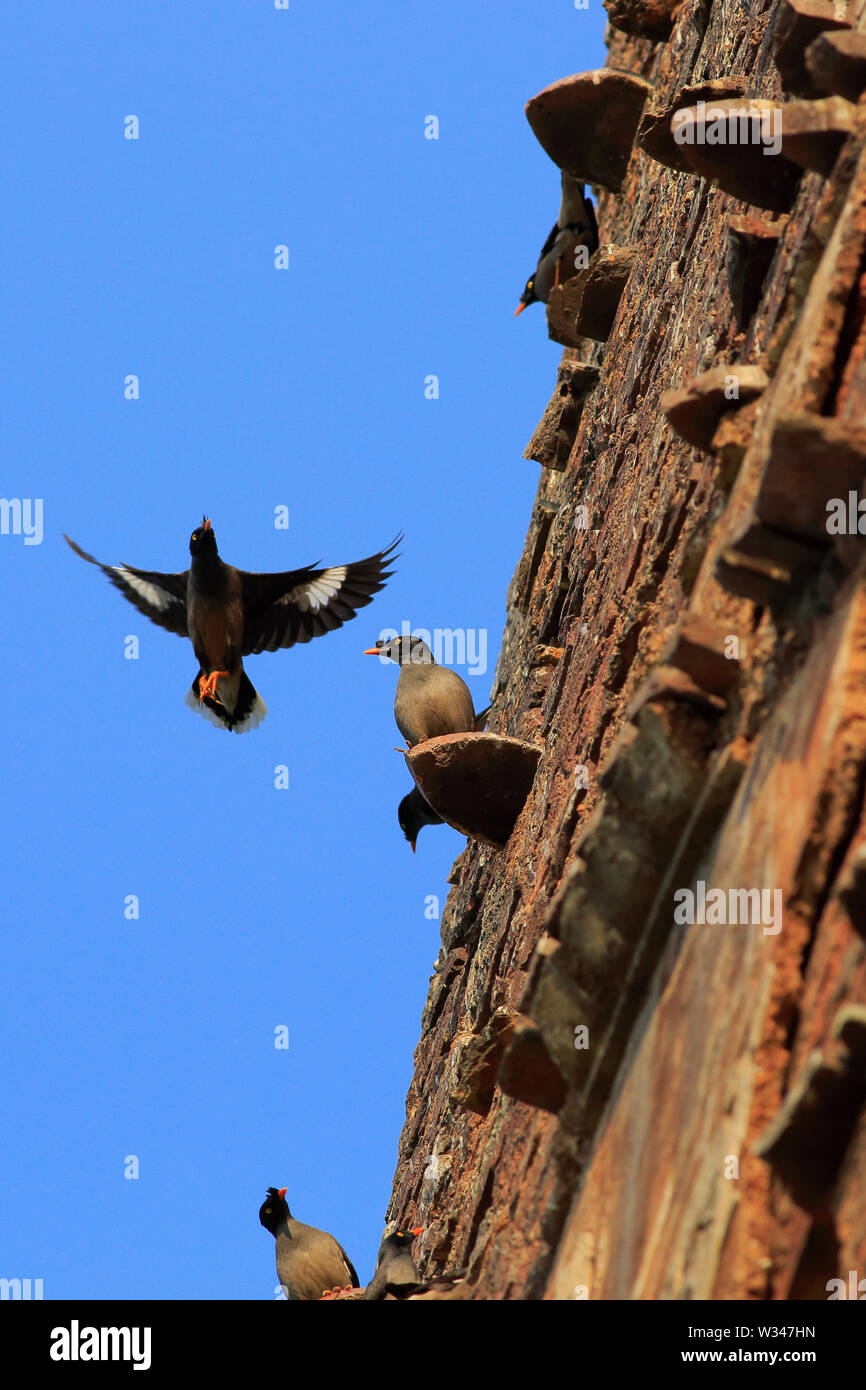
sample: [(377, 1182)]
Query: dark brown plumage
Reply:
[(310, 1262), (229, 613)]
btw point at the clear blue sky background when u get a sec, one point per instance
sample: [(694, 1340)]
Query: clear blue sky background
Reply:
[(258, 907)]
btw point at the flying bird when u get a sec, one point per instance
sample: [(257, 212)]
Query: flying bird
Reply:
[(395, 1269), (229, 613), (575, 227), (431, 699), (310, 1262)]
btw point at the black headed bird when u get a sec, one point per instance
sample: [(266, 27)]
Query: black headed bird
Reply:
[(395, 1269), (575, 227), (229, 614), (431, 699), (413, 813), (310, 1263)]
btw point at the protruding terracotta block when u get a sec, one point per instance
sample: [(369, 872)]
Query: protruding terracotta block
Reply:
[(726, 141), (527, 1071), (836, 63), (702, 649), (562, 316), (478, 1064), (671, 683), (478, 783), (599, 289), (764, 565), (806, 1142), (813, 132), (644, 19), (654, 134), (554, 436), (812, 460), (796, 24), (752, 242), (695, 410), (587, 123)]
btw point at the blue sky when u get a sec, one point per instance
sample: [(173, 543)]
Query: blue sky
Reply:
[(259, 388)]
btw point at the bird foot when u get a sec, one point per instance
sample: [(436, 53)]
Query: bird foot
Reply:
[(207, 687), (336, 1291), (407, 749)]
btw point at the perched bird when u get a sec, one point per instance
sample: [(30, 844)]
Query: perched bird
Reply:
[(431, 699), (395, 1268), (310, 1263), (575, 226), (413, 813), (228, 614)]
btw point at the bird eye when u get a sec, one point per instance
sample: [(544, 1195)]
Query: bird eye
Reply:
[(267, 1211), (399, 1235), (529, 284)]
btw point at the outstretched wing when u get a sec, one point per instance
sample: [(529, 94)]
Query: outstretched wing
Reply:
[(160, 597), (282, 609)]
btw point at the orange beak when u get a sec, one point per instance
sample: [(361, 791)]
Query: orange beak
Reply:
[(519, 310), (412, 843), (417, 1230), (283, 1191), (207, 523), (372, 651)]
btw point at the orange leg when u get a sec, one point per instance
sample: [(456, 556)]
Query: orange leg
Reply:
[(556, 276), (207, 687)]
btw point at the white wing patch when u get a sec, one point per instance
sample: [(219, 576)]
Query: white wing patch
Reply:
[(160, 599), (319, 592)]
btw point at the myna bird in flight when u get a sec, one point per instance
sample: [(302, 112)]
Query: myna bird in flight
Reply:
[(310, 1262), (229, 613), (576, 226)]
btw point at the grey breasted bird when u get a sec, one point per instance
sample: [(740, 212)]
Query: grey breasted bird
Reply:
[(229, 613), (310, 1262), (395, 1268), (575, 226), (431, 699)]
